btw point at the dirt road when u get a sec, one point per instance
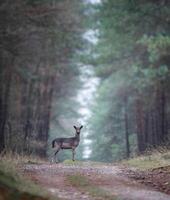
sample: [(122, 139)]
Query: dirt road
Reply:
[(108, 178)]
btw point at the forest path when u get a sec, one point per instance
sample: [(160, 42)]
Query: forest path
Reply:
[(108, 178)]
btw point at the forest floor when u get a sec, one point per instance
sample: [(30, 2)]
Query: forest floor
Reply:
[(99, 181)]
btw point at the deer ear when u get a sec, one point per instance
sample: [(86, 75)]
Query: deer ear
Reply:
[(81, 127), (74, 127)]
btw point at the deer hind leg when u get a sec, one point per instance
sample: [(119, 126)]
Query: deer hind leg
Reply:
[(73, 154), (55, 155)]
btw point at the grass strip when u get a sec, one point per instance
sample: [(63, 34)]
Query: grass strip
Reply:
[(83, 184)]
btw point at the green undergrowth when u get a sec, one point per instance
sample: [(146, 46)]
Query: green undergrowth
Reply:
[(84, 185), (151, 160), (13, 186)]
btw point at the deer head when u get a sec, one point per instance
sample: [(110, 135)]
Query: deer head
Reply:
[(78, 129)]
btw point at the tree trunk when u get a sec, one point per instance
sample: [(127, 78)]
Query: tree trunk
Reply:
[(126, 129), (139, 123), (163, 117), (4, 107)]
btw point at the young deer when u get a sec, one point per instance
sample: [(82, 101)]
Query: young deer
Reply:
[(67, 143)]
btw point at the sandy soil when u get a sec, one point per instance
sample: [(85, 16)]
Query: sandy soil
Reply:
[(108, 177)]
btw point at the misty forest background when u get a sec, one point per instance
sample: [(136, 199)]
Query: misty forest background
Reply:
[(42, 54)]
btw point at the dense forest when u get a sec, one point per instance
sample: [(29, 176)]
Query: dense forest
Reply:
[(42, 49), (132, 59), (38, 39)]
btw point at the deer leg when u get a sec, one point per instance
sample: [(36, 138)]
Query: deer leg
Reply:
[(73, 154), (55, 155)]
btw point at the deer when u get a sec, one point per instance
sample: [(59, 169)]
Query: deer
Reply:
[(67, 143)]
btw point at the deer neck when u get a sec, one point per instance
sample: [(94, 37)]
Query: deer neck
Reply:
[(77, 137)]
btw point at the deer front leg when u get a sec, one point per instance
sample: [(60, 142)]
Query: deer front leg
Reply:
[(73, 154), (55, 155)]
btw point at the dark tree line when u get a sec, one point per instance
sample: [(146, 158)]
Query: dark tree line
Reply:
[(37, 42)]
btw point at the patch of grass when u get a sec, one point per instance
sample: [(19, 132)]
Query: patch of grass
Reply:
[(84, 163), (13, 186), (70, 162), (151, 160), (83, 184)]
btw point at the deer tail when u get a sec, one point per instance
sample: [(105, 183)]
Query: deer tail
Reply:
[(53, 143)]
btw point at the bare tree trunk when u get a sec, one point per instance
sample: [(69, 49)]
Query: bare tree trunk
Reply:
[(126, 129), (4, 107), (139, 123), (146, 129), (163, 117)]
